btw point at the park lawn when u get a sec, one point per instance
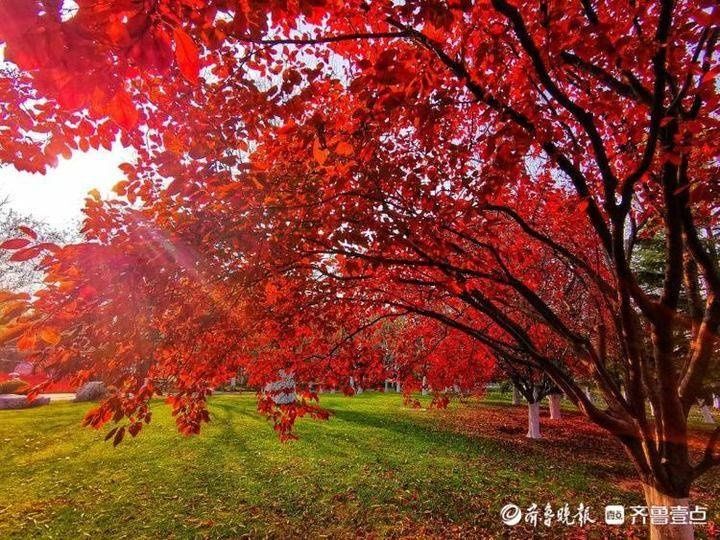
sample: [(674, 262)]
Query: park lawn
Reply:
[(376, 468)]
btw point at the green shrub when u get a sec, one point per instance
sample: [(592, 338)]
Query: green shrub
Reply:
[(12, 386)]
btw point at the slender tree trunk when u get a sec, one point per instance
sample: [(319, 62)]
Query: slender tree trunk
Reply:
[(589, 395), (424, 386), (706, 414), (716, 401), (554, 401), (387, 386), (397, 387), (534, 421), (282, 391), (516, 398), (653, 497)]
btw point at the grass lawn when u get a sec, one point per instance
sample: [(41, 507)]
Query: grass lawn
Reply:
[(375, 469)]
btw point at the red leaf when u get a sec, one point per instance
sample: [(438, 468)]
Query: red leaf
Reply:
[(27, 230), (15, 243), (50, 246), (186, 54), (119, 436), (583, 205), (26, 342), (319, 153), (123, 111), (344, 149), (50, 336), (26, 254)]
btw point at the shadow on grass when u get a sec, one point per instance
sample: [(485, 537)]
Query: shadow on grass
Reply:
[(373, 467), (65, 418)]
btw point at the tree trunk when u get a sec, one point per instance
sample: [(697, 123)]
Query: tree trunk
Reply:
[(706, 414), (716, 401), (424, 386), (554, 401), (684, 531), (397, 387), (533, 421), (387, 386), (282, 391), (516, 398), (589, 395)]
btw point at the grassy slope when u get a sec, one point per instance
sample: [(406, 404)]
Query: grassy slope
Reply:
[(376, 468)]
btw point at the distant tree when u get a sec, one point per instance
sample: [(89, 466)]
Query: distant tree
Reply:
[(23, 276)]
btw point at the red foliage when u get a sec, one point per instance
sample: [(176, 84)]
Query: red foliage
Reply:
[(284, 416)]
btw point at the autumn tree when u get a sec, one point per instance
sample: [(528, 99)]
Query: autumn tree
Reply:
[(486, 165), (533, 385), (18, 275), (155, 302)]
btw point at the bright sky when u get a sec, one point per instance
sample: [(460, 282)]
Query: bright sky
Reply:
[(59, 196)]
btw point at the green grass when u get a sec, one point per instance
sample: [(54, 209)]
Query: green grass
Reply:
[(375, 469)]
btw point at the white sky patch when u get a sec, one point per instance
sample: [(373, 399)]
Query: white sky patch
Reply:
[(58, 197)]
